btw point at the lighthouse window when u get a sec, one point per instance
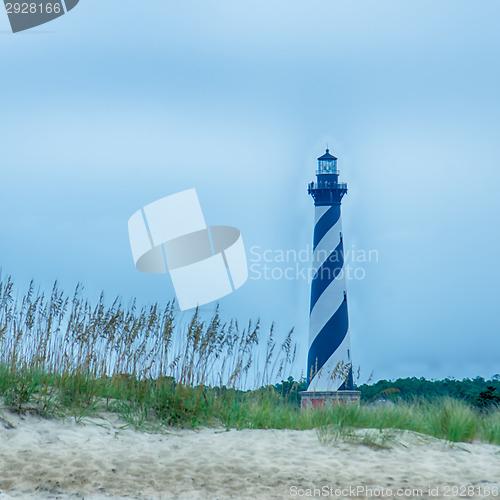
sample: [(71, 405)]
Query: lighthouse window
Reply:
[(348, 354)]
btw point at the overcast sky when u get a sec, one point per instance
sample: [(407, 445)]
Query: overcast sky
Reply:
[(117, 104)]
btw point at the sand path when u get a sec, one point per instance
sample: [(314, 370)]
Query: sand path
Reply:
[(65, 459)]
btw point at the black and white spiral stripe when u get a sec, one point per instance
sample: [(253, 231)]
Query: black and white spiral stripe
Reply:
[(329, 343)]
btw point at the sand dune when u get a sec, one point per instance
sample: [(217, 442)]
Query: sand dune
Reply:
[(98, 458)]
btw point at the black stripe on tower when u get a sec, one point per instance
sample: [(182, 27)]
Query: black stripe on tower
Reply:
[(327, 272), (325, 223), (328, 340), (348, 384)]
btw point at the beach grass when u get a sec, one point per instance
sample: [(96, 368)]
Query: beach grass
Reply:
[(162, 402), (443, 418), (62, 356)]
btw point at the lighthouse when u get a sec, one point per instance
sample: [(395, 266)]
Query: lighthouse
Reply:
[(329, 363)]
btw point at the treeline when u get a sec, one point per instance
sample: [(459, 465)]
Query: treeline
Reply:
[(477, 392)]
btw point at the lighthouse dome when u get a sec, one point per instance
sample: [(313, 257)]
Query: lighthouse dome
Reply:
[(327, 156), (327, 164)]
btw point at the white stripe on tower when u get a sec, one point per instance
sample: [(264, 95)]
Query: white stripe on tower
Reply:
[(329, 359), (318, 213)]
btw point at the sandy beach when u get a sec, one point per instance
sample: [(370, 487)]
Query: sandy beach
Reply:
[(102, 458)]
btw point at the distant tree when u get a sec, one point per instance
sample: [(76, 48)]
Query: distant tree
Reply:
[(488, 398), (289, 389)]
